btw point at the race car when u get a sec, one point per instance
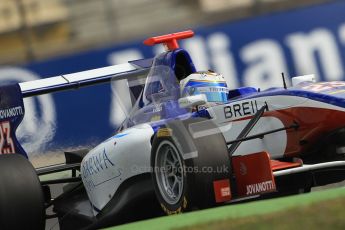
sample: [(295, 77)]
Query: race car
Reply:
[(190, 142)]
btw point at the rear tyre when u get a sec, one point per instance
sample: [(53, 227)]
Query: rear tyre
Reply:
[(21, 196), (187, 157)]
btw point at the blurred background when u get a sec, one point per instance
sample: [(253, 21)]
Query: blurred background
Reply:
[(251, 42), (32, 30)]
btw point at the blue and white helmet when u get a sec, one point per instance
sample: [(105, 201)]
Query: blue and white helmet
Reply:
[(211, 84)]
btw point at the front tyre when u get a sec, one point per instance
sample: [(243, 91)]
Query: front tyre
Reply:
[(187, 157), (170, 177)]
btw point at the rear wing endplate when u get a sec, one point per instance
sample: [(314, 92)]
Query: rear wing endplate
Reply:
[(11, 115)]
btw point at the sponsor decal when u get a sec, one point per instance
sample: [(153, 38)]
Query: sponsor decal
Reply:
[(155, 118), (98, 169), (178, 210), (213, 89), (253, 174), (96, 163), (6, 142), (241, 109), (11, 112), (262, 187), (171, 212), (184, 203), (164, 132), (157, 108), (222, 190), (243, 169)]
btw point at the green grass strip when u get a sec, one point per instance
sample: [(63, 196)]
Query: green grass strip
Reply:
[(326, 214), (233, 211)]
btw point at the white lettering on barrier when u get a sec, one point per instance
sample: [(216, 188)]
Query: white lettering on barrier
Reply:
[(319, 41), (264, 63)]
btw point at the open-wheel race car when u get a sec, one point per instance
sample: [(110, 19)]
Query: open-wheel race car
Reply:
[(188, 143)]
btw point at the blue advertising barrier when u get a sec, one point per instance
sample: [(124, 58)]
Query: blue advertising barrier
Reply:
[(252, 52)]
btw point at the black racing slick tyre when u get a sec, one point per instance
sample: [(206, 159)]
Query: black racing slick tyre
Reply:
[(21, 196), (187, 157)]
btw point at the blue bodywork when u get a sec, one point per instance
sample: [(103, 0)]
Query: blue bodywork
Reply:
[(330, 96), (159, 101), (11, 115)]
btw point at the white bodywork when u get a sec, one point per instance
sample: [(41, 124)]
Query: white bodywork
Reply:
[(275, 143), (120, 157), (127, 154), (305, 78)]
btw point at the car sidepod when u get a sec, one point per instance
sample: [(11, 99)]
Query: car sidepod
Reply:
[(110, 164)]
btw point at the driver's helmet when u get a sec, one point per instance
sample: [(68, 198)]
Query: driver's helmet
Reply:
[(212, 84)]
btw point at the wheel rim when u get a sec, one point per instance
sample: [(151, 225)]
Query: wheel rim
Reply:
[(169, 172)]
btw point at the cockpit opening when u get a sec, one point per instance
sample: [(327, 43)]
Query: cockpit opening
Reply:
[(183, 66)]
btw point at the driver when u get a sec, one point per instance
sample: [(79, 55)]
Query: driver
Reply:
[(212, 84)]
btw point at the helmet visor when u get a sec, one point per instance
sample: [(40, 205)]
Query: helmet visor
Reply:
[(214, 91)]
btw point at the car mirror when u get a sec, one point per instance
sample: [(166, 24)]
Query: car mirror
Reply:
[(191, 101)]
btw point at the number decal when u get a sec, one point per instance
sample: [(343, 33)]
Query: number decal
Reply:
[(6, 142)]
